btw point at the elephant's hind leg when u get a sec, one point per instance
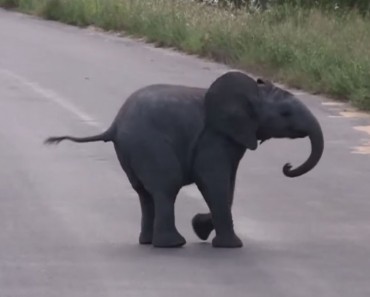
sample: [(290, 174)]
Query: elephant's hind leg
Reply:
[(165, 231), (158, 170), (147, 216), (146, 200)]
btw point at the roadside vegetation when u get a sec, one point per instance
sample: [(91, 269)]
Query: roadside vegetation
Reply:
[(322, 49)]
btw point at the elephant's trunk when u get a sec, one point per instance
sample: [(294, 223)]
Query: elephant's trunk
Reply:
[(317, 147)]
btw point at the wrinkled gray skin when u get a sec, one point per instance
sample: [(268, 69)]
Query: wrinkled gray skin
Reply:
[(168, 136)]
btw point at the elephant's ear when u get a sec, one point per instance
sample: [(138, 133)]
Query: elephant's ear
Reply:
[(231, 107)]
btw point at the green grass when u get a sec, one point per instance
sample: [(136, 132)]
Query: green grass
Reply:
[(305, 48)]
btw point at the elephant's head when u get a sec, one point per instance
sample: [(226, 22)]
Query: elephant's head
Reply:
[(247, 111)]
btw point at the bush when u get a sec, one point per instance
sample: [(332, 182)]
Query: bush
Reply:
[(9, 3), (308, 48)]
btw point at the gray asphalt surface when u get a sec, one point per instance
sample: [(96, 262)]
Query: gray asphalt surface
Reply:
[(69, 220)]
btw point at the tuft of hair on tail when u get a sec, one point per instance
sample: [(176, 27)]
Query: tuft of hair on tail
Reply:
[(105, 136), (54, 140)]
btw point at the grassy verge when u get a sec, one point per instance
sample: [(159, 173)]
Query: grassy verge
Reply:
[(309, 49)]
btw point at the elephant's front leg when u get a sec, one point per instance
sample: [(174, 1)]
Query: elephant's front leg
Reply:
[(216, 189), (202, 225), (202, 222)]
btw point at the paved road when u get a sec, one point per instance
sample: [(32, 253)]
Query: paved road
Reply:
[(69, 220)]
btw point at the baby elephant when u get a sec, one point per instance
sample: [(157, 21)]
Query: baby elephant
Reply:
[(169, 136)]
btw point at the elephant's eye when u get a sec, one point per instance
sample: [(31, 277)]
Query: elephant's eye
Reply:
[(286, 113)]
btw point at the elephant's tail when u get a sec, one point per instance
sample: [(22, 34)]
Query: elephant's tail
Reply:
[(105, 136)]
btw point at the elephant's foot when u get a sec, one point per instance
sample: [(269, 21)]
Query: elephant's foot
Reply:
[(230, 241), (168, 240), (202, 225), (146, 237)]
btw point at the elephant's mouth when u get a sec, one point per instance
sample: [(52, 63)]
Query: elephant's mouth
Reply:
[(262, 137), (291, 133), (294, 133)]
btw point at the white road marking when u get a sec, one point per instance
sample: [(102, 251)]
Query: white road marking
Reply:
[(54, 97)]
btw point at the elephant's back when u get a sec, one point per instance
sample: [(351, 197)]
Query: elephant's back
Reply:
[(164, 107), (168, 114)]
